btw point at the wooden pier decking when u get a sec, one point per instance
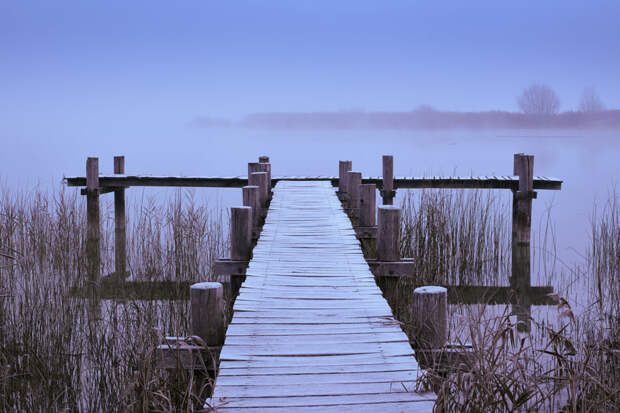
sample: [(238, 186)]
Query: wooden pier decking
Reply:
[(311, 330)]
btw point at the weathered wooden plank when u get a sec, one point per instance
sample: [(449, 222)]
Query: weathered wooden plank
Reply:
[(310, 320), (395, 407), (496, 182)]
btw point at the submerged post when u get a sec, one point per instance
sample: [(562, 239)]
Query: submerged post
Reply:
[(354, 182), (429, 312), (93, 235), (388, 233), (387, 192), (120, 231), (520, 280), (343, 168)]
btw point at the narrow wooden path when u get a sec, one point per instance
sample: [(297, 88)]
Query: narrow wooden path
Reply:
[(311, 331)]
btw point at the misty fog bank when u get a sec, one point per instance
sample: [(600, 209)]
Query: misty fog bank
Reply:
[(419, 119)]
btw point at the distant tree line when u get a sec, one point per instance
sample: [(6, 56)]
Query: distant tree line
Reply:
[(539, 99)]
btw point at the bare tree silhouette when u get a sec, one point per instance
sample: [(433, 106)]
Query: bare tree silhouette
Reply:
[(590, 101), (539, 99)]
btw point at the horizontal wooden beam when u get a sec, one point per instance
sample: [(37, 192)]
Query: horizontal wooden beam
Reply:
[(448, 359), (366, 232), (115, 289), (229, 267), (488, 182), (185, 354), (473, 294), (403, 268)]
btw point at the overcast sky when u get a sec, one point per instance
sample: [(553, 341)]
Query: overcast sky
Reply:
[(178, 60)]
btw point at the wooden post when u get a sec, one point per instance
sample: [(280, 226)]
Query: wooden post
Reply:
[(251, 199), (263, 159), (240, 233), (93, 234), (343, 168), (208, 321), (354, 181), (387, 192), (259, 179), (261, 167), (208, 312), (429, 312), (520, 280), (120, 231), (368, 205), (388, 233)]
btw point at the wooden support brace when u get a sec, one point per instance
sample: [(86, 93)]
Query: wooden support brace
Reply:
[(93, 232), (366, 232), (230, 267), (387, 191), (403, 268)]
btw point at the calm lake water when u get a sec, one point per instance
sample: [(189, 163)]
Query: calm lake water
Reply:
[(587, 161)]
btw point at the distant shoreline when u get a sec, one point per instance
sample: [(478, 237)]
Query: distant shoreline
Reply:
[(418, 119)]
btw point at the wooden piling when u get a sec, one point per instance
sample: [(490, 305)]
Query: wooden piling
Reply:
[(388, 233), (93, 234), (208, 312), (263, 159), (368, 205), (259, 179), (261, 167), (429, 314), (251, 199), (354, 182), (343, 168), (120, 230), (387, 191), (240, 233), (520, 280)]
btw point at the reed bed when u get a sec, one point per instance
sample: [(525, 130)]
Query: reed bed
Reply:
[(63, 353)]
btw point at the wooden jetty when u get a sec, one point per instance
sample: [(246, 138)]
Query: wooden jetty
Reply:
[(310, 329)]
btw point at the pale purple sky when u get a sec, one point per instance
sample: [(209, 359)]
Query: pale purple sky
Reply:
[(137, 60)]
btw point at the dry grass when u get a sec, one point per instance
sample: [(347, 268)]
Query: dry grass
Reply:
[(60, 353)]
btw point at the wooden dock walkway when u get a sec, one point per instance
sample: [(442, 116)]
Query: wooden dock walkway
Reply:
[(311, 331)]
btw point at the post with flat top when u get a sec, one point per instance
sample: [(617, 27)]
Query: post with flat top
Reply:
[(261, 167), (120, 231), (354, 182), (387, 190), (520, 281), (208, 321), (343, 168), (251, 199), (93, 234), (259, 179), (388, 233), (240, 240), (368, 205)]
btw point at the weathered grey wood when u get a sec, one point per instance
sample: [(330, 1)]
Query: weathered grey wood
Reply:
[(259, 179), (208, 312), (521, 234), (241, 233), (93, 231), (310, 321), (388, 233), (429, 312), (354, 182), (183, 353), (263, 159), (368, 205), (493, 182), (229, 267), (387, 190), (403, 268), (120, 231), (251, 199), (343, 168), (261, 167)]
